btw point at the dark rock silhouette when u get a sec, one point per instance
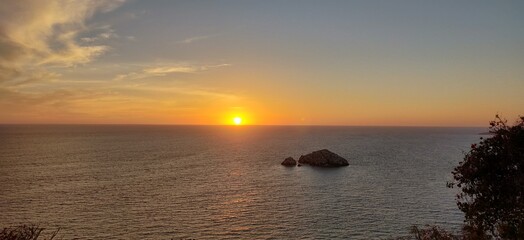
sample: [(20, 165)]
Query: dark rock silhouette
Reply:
[(289, 162), (323, 158)]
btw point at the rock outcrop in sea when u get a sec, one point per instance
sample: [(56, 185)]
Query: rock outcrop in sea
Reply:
[(323, 158), (289, 162)]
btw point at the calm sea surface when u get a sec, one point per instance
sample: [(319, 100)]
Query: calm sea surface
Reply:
[(163, 182)]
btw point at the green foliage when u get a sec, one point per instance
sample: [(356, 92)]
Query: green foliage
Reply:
[(491, 180), (25, 232)]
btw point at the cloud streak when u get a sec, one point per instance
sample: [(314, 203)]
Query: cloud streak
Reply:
[(194, 39), (162, 71), (167, 69), (105, 32)]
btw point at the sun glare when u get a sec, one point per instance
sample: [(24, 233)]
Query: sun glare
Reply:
[(237, 120)]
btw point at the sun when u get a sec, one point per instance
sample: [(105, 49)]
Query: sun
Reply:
[(237, 120)]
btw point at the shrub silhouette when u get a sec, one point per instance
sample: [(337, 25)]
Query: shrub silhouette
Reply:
[(491, 180), (25, 232)]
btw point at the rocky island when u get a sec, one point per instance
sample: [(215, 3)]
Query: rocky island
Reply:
[(320, 158), (289, 162)]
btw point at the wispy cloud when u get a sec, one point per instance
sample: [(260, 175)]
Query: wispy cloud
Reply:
[(162, 71), (54, 105), (33, 77), (104, 33), (183, 90), (45, 33), (43, 48), (167, 69), (194, 39), (106, 102)]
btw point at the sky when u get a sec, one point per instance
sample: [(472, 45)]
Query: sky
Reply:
[(293, 62)]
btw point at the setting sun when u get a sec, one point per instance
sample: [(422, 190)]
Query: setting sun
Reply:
[(237, 120)]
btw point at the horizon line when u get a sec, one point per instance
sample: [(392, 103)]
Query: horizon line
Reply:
[(246, 125)]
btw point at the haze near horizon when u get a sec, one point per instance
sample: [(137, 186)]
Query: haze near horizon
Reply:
[(398, 63)]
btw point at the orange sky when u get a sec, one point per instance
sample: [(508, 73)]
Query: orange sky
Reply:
[(185, 62)]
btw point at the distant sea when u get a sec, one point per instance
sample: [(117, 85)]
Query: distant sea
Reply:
[(226, 182)]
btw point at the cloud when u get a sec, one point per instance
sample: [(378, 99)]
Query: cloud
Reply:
[(104, 103), (209, 93), (182, 90), (8, 73), (162, 71), (30, 78), (194, 39), (34, 34), (52, 106), (57, 99), (105, 32), (166, 69), (41, 42)]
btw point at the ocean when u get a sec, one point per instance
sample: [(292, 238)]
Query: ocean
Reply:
[(226, 182)]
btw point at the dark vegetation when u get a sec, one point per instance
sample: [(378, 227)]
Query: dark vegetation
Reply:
[(491, 179), (26, 232), (430, 233), (491, 183)]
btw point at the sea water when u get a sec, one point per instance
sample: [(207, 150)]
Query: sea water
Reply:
[(226, 182)]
